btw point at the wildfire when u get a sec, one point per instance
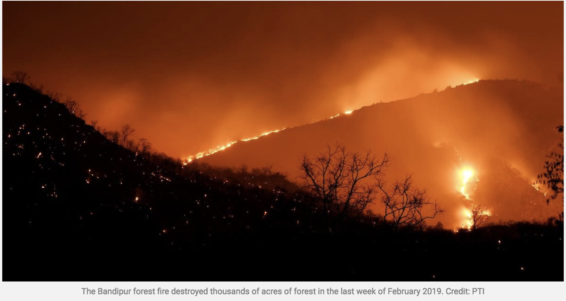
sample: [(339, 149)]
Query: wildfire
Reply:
[(225, 146), (467, 174), (263, 134), (209, 152), (477, 214), (471, 82), (472, 214), (468, 221), (537, 186)]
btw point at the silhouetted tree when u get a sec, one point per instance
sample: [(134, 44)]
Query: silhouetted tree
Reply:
[(20, 77), (553, 176), (54, 96), (74, 107), (405, 205), (479, 214), (112, 136), (125, 133), (338, 179), (130, 144), (38, 89), (144, 146)]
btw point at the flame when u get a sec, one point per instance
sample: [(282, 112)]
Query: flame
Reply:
[(469, 220), (209, 152), (262, 135), (537, 187), (466, 174), (225, 146)]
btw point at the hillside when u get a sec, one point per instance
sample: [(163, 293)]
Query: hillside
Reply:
[(68, 192), (79, 207), (501, 129)]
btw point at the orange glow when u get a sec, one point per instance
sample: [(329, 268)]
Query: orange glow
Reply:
[(263, 134), (469, 217), (468, 221), (537, 187), (471, 82), (224, 147), (210, 152), (466, 175)]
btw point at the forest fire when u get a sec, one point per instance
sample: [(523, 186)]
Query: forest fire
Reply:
[(262, 135), (468, 221), (472, 214), (466, 175), (225, 146), (377, 122), (475, 216)]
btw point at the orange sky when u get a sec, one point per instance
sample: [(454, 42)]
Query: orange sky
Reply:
[(190, 76)]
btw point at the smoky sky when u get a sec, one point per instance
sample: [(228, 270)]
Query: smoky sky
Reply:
[(190, 76)]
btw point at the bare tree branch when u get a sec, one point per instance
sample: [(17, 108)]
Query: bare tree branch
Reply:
[(340, 180)]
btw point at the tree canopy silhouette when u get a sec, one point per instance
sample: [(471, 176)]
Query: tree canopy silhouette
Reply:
[(340, 179), (405, 205), (553, 176)]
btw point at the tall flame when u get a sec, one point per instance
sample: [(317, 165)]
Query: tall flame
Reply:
[(466, 174)]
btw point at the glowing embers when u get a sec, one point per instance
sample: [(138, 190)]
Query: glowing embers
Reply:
[(467, 176)]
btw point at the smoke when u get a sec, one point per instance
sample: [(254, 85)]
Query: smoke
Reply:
[(191, 76)]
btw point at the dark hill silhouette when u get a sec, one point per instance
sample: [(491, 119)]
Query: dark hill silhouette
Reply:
[(77, 206), (68, 192), (501, 128)]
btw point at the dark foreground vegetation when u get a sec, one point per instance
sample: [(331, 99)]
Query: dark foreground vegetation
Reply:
[(80, 206)]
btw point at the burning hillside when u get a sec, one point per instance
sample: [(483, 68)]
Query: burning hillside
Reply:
[(504, 129)]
